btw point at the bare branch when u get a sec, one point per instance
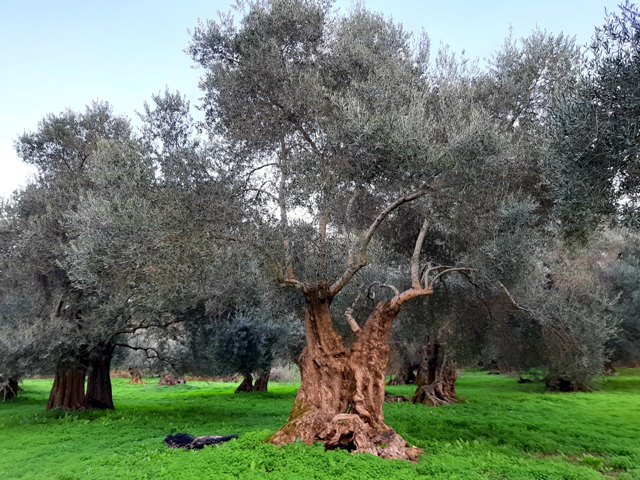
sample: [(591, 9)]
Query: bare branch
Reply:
[(259, 191), (512, 300), (395, 291), (146, 350), (360, 258), (284, 220), (355, 328), (146, 326), (413, 292), (292, 282), (254, 170), (415, 258), (293, 118), (410, 294), (172, 362), (449, 270)]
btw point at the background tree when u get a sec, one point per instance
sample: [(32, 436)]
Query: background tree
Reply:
[(62, 150), (146, 239), (595, 168), (244, 343)]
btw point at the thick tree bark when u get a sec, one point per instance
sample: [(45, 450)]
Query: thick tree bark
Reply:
[(341, 394), (436, 381), (262, 382), (246, 385), (99, 393), (67, 392)]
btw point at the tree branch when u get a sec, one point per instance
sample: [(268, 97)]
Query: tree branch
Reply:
[(415, 258), (172, 362), (512, 300), (449, 270), (292, 282), (142, 326), (395, 291), (348, 313), (360, 259), (146, 350)]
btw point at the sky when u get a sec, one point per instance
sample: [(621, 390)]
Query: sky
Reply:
[(64, 54)]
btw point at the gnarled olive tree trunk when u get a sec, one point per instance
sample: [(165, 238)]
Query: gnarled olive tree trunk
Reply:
[(67, 392), (436, 381), (262, 382), (99, 392), (341, 394), (246, 385)]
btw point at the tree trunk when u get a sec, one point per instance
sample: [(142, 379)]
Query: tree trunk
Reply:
[(261, 382), (67, 392), (403, 373), (136, 376), (341, 394), (9, 389), (99, 393), (436, 382), (246, 385)]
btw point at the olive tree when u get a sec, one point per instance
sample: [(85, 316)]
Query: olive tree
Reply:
[(145, 240), (62, 150), (346, 128)]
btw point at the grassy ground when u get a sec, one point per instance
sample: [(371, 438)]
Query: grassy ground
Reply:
[(501, 431)]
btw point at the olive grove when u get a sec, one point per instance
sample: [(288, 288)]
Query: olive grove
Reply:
[(350, 186)]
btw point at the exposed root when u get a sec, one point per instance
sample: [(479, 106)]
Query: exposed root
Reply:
[(388, 398), (434, 395), (347, 432)]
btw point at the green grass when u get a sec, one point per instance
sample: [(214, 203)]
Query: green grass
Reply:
[(501, 431)]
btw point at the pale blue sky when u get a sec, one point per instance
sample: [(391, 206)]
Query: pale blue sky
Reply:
[(55, 55)]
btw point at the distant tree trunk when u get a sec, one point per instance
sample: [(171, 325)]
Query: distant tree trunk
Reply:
[(246, 385), (403, 374), (9, 389), (99, 393), (436, 381), (262, 382), (556, 382), (67, 392), (136, 376), (170, 380), (341, 396)]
